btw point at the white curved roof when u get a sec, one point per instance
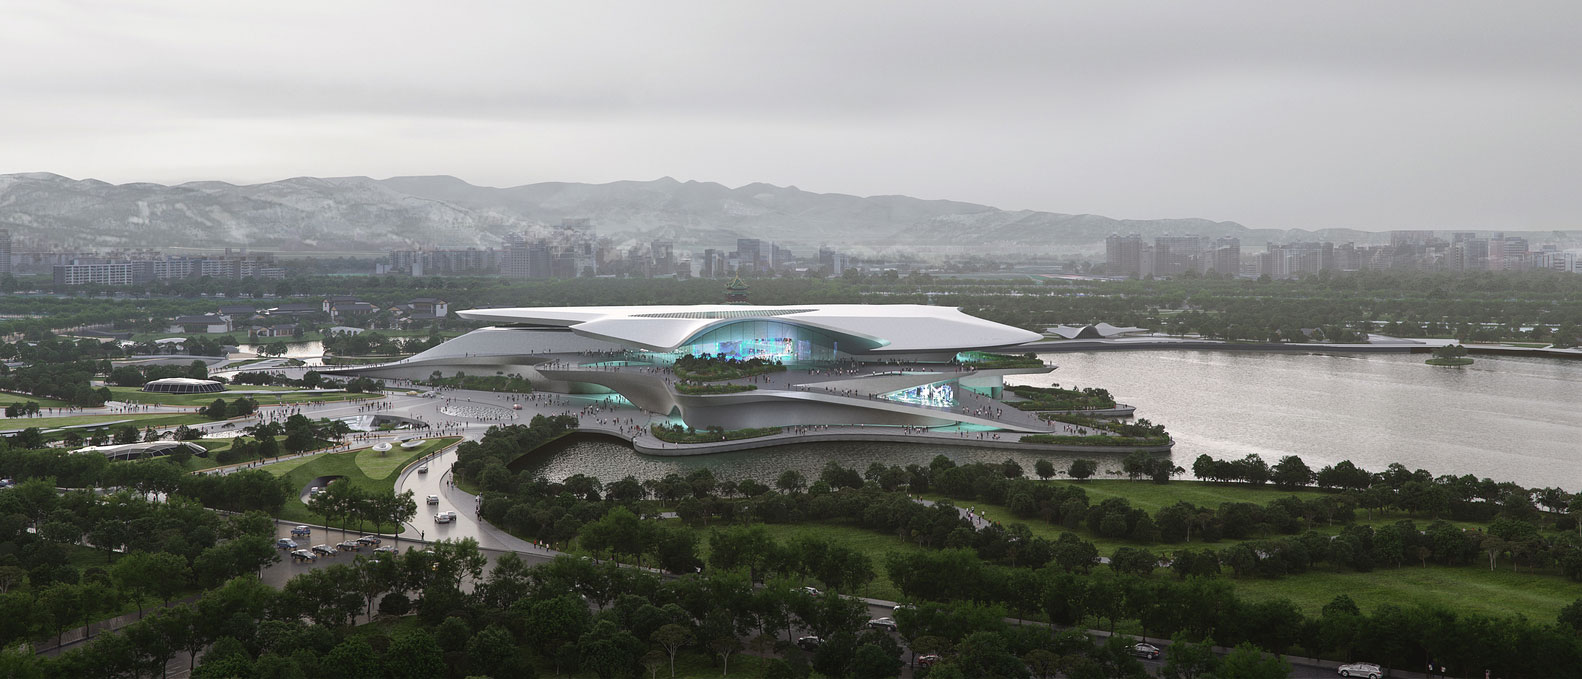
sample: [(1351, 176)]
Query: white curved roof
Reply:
[(893, 328), (188, 381)]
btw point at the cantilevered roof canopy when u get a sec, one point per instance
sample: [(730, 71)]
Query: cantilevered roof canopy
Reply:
[(882, 328)]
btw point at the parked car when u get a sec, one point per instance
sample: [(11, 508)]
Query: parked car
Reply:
[(369, 540), (433, 499), (285, 543), (1361, 669), (927, 659), (303, 555), (898, 607), (809, 643), (350, 546), (380, 551), (1149, 651), (445, 517), (301, 532), (314, 490), (886, 623), (812, 591), (323, 550)]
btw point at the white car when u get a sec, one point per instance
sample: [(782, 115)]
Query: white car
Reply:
[(423, 469), (433, 499), (1361, 669), (444, 517)]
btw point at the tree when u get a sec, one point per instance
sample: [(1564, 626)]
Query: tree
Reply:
[(1082, 469), (873, 662), (1571, 616), (608, 650), (1247, 662), (724, 647), (1044, 468), (414, 655), (1291, 472), (790, 481), (1187, 660), (672, 637)]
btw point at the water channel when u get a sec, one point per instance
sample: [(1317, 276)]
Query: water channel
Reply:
[(1510, 419)]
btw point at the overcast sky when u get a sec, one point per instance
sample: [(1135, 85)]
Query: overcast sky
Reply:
[(1372, 115)]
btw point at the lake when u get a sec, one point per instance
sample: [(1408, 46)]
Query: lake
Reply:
[(1509, 419)]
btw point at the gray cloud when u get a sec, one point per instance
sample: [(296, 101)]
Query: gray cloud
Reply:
[(1367, 115)]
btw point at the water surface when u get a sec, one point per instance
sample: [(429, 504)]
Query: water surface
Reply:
[(1510, 419)]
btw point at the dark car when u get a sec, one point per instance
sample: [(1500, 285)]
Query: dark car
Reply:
[(887, 624), (809, 643), (1149, 651)]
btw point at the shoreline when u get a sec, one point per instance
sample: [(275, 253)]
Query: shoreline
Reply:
[(643, 446), (1401, 347)]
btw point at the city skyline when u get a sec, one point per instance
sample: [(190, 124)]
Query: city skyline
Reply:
[(1274, 117)]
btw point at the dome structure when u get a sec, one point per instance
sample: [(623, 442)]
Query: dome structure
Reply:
[(183, 385)]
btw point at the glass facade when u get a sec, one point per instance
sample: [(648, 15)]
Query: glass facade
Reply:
[(769, 340), (941, 395)]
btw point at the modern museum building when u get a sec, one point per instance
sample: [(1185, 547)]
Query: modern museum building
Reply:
[(815, 364)]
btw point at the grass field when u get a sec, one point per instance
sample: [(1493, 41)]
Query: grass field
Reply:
[(363, 468), (279, 395), (1464, 589), (1539, 596), (141, 420), (1151, 496), (7, 398)]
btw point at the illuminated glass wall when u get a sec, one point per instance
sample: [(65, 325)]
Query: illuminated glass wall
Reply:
[(768, 340), (939, 395)]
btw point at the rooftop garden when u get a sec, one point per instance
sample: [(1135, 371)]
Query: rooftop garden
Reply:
[(695, 389), (708, 368), (1055, 398), (991, 361)]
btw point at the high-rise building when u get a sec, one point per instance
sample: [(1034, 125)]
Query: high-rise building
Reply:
[(1410, 237), (750, 253), (1123, 255), (664, 254), (1178, 254), (1226, 257), (5, 252), (1293, 260), (526, 259)]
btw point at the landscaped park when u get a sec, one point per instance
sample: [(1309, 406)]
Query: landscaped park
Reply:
[(367, 470)]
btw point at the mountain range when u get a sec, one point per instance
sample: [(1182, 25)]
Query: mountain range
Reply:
[(361, 214)]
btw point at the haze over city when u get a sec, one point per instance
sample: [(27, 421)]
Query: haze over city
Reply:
[(835, 340), (1405, 115)]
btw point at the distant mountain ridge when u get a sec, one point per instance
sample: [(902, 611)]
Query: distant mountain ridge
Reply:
[(364, 214)]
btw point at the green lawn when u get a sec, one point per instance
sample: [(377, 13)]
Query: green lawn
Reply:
[(281, 395), (1464, 589), (7, 398), (362, 468), (141, 420), (1152, 496), (1539, 596)]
